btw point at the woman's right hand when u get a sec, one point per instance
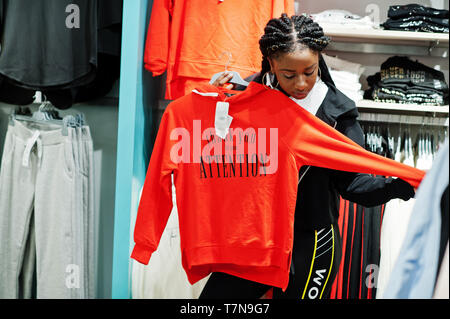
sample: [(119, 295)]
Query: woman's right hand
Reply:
[(222, 81)]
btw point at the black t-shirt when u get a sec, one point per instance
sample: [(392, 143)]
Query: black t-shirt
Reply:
[(42, 46)]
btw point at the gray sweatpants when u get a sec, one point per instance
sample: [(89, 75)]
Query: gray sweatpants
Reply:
[(46, 212)]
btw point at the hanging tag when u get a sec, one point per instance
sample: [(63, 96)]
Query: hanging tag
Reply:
[(223, 127), (222, 119), (222, 108)]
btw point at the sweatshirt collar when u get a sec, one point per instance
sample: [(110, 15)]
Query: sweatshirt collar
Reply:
[(334, 106), (209, 90)]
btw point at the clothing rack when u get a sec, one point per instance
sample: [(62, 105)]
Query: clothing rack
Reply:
[(404, 119)]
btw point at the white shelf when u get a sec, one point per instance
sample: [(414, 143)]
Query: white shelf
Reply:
[(367, 105), (353, 34)]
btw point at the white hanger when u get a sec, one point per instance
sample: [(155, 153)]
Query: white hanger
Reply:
[(236, 79), (45, 115)]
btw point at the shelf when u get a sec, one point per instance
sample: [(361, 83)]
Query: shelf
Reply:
[(385, 36), (369, 105)]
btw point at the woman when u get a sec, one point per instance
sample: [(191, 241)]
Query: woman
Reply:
[(292, 63)]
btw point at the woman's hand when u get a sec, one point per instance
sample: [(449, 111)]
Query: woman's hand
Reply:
[(222, 81), (403, 189)]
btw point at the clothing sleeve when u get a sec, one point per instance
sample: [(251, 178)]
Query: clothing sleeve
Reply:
[(365, 189), (157, 42), (316, 143), (156, 199)]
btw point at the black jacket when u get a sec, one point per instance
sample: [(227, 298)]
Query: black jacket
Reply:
[(317, 203), (319, 188)]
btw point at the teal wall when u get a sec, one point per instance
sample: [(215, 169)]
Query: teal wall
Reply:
[(134, 138)]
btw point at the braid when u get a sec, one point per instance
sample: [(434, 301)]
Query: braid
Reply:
[(310, 33), (286, 34)]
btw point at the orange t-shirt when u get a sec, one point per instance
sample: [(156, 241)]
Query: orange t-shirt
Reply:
[(236, 196), (190, 39)]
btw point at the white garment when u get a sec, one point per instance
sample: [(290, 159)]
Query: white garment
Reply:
[(345, 75), (164, 276), (347, 78), (343, 18), (396, 218), (393, 231), (335, 63), (47, 212), (314, 99)]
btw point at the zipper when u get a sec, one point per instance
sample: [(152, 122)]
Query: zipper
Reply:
[(307, 169), (292, 268)]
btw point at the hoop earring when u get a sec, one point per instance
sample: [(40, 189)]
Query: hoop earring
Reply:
[(266, 82)]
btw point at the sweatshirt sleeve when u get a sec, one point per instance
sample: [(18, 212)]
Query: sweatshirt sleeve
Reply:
[(157, 42), (156, 200), (365, 189), (315, 143)]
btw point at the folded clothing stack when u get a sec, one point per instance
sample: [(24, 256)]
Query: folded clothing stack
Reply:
[(345, 75), (414, 17), (343, 18), (402, 80)]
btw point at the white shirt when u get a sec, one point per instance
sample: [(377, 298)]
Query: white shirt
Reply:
[(314, 99)]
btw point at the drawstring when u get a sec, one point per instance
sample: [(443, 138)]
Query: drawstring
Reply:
[(33, 140)]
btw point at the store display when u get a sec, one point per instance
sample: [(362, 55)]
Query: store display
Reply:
[(343, 18), (402, 80), (47, 236), (210, 209), (415, 17), (415, 271)]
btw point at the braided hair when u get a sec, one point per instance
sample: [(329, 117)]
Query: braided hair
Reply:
[(286, 34)]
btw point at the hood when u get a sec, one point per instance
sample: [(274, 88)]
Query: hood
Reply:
[(337, 106)]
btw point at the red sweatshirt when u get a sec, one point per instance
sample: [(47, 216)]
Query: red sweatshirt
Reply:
[(189, 39), (237, 215)]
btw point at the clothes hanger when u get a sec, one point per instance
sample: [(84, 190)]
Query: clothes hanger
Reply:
[(46, 114), (391, 142), (410, 151), (399, 140), (236, 79)]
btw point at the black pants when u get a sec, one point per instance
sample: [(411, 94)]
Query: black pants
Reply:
[(315, 263)]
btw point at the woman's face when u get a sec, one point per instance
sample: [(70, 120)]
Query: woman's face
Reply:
[(296, 71)]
